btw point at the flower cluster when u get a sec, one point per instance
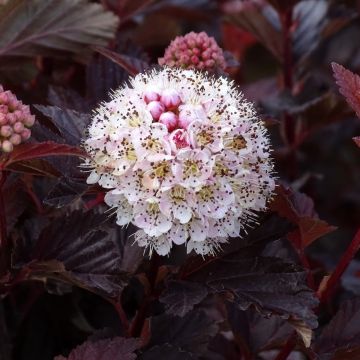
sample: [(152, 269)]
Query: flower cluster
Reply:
[(185, 158), (15, 121), (194, 51)]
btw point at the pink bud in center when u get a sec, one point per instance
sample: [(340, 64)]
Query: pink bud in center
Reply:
[(169, 119), (185, 118), (156, 108), (151, 96), (170, 98)]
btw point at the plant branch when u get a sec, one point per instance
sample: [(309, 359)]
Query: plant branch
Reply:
[(139, 320), (287, 348), (122, 315), (340, 268)]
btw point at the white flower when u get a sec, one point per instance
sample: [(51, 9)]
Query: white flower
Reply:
[(186, 159)]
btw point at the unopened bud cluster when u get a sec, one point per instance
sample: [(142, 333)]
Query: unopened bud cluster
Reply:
[(15, 121), (194, 51)]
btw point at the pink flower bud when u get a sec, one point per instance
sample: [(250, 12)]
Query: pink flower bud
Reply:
[(1, 88), (18, 127), (185, 119), (192, 51), (156, 108), (169, 119), (19, 115), (4, 109), (151, 96), (6, 130), (29, 120), (3, 119), (170, 98), (12, 104), (11, 118), (15, 139), (7, 146), (3, 98), (25, 134), (194, 59)]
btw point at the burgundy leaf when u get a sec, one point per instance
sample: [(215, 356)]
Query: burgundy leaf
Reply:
[(269, 284), (132, 65), (110, 349), (71, 124), (190, 333), (30, 151), (181, 296), (342, 335), (357, 140), (299, 209), (349, 84), (89, 255), (65, 191), (252, 17), (168, 352), (39, 167)]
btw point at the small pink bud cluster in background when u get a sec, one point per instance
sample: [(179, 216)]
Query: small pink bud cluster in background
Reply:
[(194, 51), (15, 121)]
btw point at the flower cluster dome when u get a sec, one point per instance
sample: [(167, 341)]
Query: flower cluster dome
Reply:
[(184, 157), (194, 51), (15, 121)]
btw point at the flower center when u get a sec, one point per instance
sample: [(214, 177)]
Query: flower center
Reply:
[(190, 168), (177, 193)]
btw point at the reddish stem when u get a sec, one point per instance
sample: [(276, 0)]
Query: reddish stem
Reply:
[(122, 316), (288, 348), (139, 320), (341, 267)]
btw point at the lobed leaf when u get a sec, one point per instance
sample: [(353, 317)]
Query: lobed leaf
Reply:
[(109, 349), (341, 337), (29, 151), (168, 352), (83, 254), (181, 296), (299, 209), (132, 65), (190, 333), (270, 284), (70, 123), (349, 84), (31, 28)]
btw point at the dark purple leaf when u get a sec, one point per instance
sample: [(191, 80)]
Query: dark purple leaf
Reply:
[(67, 99), (299, 209), (190, 333), (76, 250), (168, 352), (109, 349), (181, 296), (65, 191), (28, 151), (349, 84), (132, 65), (254, 17), (342, 335), (269, 284), (70, 123)]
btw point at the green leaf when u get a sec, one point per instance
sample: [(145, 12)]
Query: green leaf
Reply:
[(52, 28)]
